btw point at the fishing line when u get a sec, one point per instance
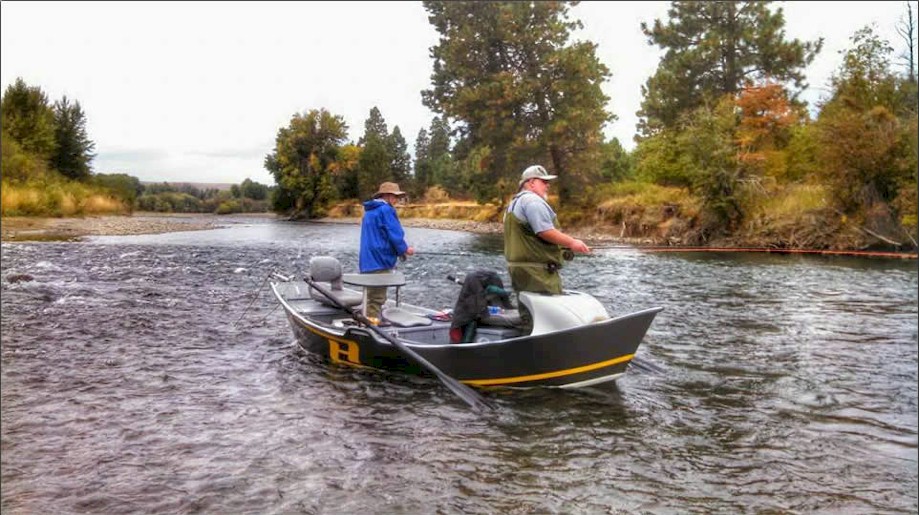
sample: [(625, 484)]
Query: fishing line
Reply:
[(268, 315), (763, 250), (432, 253), (255, 295)]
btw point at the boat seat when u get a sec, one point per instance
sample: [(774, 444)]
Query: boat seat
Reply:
[(510, 318), (381, 280), (328, 269), (402, 318)]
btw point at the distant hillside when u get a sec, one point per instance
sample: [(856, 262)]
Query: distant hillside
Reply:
[(199, 185)]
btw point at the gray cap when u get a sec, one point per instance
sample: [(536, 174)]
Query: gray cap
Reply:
[(535, 172)]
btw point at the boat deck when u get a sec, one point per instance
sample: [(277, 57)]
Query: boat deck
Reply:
[(297, 296)]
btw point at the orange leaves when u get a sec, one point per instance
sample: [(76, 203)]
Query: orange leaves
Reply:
[(765, 113), (765, 117)]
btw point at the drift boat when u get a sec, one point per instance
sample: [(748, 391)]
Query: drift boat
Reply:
[(573, 343)]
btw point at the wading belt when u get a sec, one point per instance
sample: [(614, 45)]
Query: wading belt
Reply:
[(549, 267)]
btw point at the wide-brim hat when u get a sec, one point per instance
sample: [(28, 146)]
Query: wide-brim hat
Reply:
[(389, 187), (535, 172)]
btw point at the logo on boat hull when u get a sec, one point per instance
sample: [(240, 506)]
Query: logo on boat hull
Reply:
[(344, 351)]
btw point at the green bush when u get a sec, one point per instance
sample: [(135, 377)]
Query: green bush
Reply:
[(170, 202), (229, 206)]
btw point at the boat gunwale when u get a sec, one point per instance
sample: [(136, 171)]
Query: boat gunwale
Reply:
[(471, 345)]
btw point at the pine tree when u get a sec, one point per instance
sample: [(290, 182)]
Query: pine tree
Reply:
[(72, 154), (422, 166), (439, 144), (374, 165), (439, 154), (375, 124), (28, 119), (711, 49), (520, 92), (400, 162)]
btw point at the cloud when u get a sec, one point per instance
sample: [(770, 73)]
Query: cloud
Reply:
[(156, 166), (178, 91)]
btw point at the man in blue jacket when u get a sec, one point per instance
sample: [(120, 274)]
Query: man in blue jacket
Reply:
[(382, 242)]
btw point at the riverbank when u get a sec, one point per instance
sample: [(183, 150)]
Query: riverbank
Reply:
[(14, 229), (21, 228)]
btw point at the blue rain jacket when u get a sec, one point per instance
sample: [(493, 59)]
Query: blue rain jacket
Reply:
[(382, 237)]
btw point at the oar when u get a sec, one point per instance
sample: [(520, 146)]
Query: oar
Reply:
[(463, 391)]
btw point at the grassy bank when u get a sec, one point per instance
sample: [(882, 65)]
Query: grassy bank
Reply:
[(57, 198), (791, 216)]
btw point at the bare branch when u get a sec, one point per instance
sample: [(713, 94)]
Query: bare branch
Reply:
[(907, 29)]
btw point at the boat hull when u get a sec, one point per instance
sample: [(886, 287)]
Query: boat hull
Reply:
[(571, 358)]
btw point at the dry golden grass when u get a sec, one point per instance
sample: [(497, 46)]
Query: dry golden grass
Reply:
[(451, 210), (455, 210), (67, 204), (99, 204), (775, 215), (16, 200), (56, 199), (792, 200), (645, 204)]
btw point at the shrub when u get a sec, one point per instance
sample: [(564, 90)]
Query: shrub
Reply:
[(229, 206), (436, 195)]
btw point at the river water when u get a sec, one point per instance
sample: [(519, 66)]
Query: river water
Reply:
[(153, 374)]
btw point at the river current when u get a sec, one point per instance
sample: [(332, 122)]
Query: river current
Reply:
[(155, 374)]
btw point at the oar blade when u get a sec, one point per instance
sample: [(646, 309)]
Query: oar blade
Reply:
[(476, 401)]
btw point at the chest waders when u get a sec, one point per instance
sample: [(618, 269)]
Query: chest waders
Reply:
[(533, 263)]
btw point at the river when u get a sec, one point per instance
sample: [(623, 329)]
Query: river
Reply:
[(154, 374)]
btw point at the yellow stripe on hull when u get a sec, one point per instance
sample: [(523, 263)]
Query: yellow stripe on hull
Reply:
[(550, 375)]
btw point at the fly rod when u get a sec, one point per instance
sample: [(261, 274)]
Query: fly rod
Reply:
[(768, 250)]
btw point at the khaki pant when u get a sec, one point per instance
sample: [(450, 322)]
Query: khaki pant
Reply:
[(375, 298)]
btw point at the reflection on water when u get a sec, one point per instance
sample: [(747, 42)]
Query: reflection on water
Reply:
[(789, 384)]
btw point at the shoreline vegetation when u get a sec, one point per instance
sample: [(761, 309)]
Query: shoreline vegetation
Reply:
[(23, 229)]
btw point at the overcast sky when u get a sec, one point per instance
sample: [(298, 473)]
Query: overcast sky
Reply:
[(187, 91)]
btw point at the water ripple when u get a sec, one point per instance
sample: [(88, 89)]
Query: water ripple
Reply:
[(153, 374)]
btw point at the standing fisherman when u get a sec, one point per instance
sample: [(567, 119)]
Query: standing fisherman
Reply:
[(382, 242), (533, 243)]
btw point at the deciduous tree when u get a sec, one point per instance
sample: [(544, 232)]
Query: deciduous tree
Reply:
[(868, 135), (907, 29), (345, 171), (122, 185), (253, 190), (301, 163), (765, 119)]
